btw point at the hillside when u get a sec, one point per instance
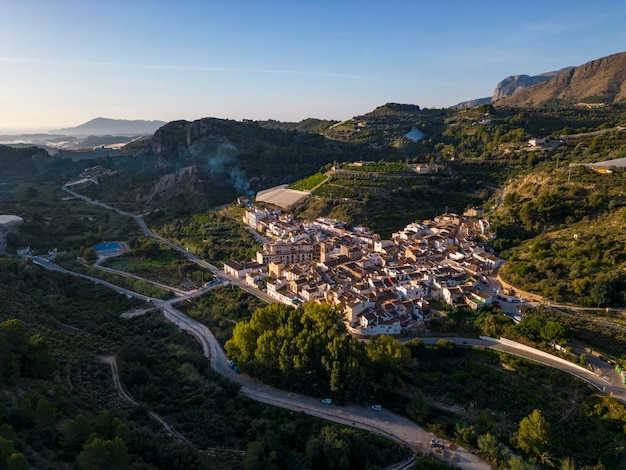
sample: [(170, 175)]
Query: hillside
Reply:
[(515, 83), (600, 81), (197, 165), (510, 85), (388, 126)]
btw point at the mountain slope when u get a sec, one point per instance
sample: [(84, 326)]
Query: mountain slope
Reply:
[(472, 103), (515, 83), (598, 81), (510, 85), (105, 126)]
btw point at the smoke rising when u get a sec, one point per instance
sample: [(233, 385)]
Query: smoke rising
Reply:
[(222, 166)]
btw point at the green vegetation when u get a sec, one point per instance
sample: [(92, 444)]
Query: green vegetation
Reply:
[(221, 309), (481, 399), (380, 167), (309, 182), (559, 227), (152, 260), (51, 222), (573, 250), (58, 407), (214, 236), (315, 126), (140, 286)]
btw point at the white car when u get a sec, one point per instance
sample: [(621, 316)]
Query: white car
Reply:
[(327, 401), (377, 407)]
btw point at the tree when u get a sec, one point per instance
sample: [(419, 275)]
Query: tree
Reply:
[(554, 332), (567, 464), (389, 359), (516, 463), (533, 434), (465, 434), (328, 450), (17, 462), (445, 344), (100, 454), (489, 445), (599, 293), (343, 361), (90, 255), (418, 409), (6, 451)]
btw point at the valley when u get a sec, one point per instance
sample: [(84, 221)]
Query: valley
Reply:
[(350, 414), (384, 231)]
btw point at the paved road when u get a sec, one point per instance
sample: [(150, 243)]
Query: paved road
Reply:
[(49, 265), (604, 379)]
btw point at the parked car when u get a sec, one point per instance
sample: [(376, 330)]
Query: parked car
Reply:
[(233, 366), (377, 407), (327, 401)]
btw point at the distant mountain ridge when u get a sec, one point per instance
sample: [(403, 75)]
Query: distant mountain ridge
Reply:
[(105, 126), (598, 82)]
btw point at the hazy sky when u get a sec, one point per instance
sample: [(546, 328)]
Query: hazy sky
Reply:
[(65, 62)]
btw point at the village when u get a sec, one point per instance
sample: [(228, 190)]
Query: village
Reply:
[(382, 286)]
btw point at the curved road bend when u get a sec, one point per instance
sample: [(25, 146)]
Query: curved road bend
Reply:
[(609, 384)]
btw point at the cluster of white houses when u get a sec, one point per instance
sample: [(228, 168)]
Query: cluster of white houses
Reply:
[(381, 285)]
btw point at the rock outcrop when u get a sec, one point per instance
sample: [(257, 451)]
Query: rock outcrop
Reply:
[(515, 83), (595, 83)]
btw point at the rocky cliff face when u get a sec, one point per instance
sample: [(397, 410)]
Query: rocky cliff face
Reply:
[(514, 83), (598, 82), (509, 86)]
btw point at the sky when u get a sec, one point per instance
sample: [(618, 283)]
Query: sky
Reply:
[(65, 62)]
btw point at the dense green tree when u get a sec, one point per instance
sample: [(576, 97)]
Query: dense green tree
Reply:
[(517, 463), (17, 462), (533, 434), (489, 445), (304, 349), (38, 362), (328, 450), (390, 360), (269, 452), (75, 432), (418, 408), (102, 454), (465, 434), (90, 254), (344, 363), (7, 449)]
